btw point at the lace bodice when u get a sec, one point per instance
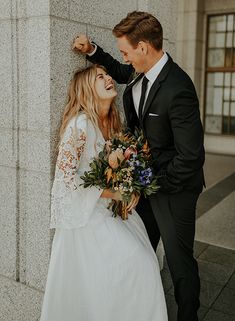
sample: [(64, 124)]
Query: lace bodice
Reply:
[(71, 203)]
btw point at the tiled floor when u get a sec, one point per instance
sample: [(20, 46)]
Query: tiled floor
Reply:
[(215, 212), (218, 167), (217, 226), (217, 274)]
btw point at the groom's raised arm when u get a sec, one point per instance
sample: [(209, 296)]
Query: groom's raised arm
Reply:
[(120, 72)]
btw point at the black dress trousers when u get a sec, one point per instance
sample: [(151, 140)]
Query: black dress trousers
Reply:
[(175, 217)]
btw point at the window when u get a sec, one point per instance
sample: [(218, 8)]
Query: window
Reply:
[(220, 75)]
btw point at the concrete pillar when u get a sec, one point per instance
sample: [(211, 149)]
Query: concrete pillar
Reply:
[(190, 39)]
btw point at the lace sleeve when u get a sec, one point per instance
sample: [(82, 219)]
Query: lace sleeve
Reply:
[(70, 151), (72, 204)]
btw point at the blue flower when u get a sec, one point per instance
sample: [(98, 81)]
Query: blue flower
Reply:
[(145, 176)]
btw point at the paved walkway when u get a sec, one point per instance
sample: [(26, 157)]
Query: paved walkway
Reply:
[(214, 245)]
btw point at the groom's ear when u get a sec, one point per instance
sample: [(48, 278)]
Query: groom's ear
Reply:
[(143, 46)]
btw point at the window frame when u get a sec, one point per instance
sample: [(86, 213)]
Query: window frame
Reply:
[(214, 70)]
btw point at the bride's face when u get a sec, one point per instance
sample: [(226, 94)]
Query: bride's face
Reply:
[(104, 85)]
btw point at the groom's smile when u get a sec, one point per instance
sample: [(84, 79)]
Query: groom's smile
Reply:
[(131, 54)]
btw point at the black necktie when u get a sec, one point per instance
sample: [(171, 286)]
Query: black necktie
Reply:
[(142, 97)]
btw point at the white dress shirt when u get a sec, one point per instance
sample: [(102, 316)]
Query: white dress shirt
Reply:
[(151, 75)]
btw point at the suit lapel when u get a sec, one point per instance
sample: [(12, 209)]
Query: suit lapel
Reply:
[(157, 84), (130, 112), (153, 91)]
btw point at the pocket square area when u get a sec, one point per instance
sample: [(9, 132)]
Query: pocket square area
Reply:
[(151, 114)]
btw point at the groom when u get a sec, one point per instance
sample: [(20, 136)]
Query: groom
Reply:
[(162, 101)]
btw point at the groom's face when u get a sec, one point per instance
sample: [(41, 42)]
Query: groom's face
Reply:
[(131, 55)]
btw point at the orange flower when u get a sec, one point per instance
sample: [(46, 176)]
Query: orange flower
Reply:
[(108, 173), (145, 148), (114, 176), (126, 137), (115, 158)]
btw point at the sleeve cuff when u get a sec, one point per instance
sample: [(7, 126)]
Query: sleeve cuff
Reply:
[(94, 51)]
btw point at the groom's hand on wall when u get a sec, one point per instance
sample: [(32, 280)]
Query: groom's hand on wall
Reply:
[(82, 44)]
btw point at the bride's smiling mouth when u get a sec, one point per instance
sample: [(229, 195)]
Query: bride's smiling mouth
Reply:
[(109, 87)]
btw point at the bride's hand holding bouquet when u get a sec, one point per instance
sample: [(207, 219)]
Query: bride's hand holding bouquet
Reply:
[(124, 169)]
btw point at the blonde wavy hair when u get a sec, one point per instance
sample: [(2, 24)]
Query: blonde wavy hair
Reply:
[(83, 98)]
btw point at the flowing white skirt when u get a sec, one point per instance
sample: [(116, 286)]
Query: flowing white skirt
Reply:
[(105, 271)]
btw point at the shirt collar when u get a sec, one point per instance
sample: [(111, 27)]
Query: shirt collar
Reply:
[(156, 69)]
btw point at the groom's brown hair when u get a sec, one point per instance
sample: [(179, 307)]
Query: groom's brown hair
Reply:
[(140, 26)]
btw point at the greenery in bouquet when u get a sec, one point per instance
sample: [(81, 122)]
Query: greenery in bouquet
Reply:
[(124, 165)]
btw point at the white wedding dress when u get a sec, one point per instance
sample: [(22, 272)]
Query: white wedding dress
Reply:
[(101, 268)]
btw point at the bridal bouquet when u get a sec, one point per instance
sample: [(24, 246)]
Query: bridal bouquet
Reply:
[(124, 165)]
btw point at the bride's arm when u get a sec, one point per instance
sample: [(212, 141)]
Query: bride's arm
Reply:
[(71, 204), (107, 193), (71, 149)]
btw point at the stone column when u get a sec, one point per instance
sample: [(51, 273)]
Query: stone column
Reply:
[(35, 68), (25, 162), (190, 40)]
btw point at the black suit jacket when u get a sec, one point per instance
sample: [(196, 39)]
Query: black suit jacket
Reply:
[(171, 122)]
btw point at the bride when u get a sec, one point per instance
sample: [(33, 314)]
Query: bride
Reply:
[(101, 268)]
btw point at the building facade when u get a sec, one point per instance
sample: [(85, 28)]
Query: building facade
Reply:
[(35, 68), (206, 50)]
